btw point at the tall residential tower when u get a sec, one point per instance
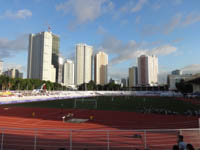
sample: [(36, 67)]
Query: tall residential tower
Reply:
[(101, 68), (147, 70), (55, 56), (40, 57), (133, 76), (83, 72), (68, 74)]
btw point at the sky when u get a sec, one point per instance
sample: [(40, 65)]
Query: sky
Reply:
[(124, 29)]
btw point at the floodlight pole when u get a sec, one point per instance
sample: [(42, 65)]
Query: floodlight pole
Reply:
[(108, 140), (145, 139), (71, 140), (35, 140)]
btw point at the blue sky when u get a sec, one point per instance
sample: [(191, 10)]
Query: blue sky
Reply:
[(124, 29)]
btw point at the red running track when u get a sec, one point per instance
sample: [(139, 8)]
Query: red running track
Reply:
[(119, 124)]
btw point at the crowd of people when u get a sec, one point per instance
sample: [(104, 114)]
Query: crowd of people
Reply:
[(168, 112)]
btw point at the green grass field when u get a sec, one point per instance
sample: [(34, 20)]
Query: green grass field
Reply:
[(120, 103)]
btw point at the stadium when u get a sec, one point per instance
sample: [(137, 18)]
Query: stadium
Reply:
[(97, 120)]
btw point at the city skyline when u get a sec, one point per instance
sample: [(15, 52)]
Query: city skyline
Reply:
[(123, 29)]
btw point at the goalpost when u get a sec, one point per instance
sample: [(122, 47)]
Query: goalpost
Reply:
[(85, 103)]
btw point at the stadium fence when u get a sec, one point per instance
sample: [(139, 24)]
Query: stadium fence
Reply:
[(53, 139)]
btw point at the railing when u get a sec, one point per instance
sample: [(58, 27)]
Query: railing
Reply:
[(53, 139)]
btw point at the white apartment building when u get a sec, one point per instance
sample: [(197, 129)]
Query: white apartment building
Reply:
[(60, 70), (147, 70), (133, 76), (40, 57), (101, 68), (83, 71), (68, 74), (1, 67), (13, 73)]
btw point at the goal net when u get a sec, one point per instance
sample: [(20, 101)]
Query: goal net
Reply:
[(85, 103)]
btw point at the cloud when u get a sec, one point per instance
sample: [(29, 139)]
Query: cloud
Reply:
[(169, 27), (163, 50), (193, 68), (20, 14), (178, 40), (177, 21), (123, 52), (7, 66), (10, 47), (138, 6), (149, 30), (101, 30), (157, 4), (85, 10), (191, 19), (177, 2)]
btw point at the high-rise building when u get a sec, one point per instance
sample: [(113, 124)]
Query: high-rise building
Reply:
[(68, 73), (60, 70), (133, 76), (1, 67), (55, 56), (83, 71), (177, 72), (101, 68), (40, 57), (13, 73), (124, 82), (147, 70)]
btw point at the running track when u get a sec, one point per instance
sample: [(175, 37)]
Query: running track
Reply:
[(19, 128)]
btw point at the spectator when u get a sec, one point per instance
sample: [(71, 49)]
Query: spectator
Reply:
[(181, 143), (189, 147), (175, 147)]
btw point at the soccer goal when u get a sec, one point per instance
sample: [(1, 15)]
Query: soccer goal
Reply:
[(85, 103)]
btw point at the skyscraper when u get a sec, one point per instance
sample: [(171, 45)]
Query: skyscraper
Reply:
[(83, 70), (100, 68), (68, 74), (177, 72), (147, 70), (133, 76), (55, 56), (40, 57), (60, 68), (13, 73), (124, 82), (1, 67)]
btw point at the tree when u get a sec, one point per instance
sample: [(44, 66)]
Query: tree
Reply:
[(91, 85), (184, 87), (27, 84)]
